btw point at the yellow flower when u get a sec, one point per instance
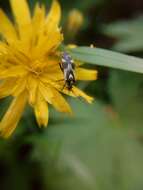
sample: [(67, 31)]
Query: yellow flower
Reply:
[(29, 64)]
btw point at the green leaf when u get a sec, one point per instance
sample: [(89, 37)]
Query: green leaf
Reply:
[(107, 58), (97, 152), (129, 34), (126, 90)]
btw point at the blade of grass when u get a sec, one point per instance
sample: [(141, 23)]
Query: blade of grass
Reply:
[(107, 58)]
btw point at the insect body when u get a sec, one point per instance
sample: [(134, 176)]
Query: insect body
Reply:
[(67, 66)]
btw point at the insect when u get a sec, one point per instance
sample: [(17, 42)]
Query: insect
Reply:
[(67, 66)]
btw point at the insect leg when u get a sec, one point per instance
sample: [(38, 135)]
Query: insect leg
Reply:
[(61, 67), (79, 97), (59, 80), (64, 86)]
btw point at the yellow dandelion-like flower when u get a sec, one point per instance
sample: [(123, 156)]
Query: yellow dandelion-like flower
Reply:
[(29, 64)]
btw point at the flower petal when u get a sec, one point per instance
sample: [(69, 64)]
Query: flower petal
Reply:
[(85, 74), (54, 76), (55, 98), (80, 93), (59, 103), (53, 72), (54, 15), (13, 115), (51, 36), (39, 8), (7, 87), (32, 85), (20, 86), (37, 22), (48, 44), (41, 111), (46, 92), (38, 16), (6, 28), (58, 85), (23, 18), (3, 50), (13, 72)]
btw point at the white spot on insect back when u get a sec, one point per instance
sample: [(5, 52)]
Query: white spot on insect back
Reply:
[(70, 76), (63, 60)]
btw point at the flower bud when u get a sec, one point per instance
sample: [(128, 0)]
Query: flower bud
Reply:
[(74, 21)]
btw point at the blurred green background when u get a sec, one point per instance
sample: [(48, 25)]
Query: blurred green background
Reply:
[(101, 147)]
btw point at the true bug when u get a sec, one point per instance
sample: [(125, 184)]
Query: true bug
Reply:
[(67, 66)]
